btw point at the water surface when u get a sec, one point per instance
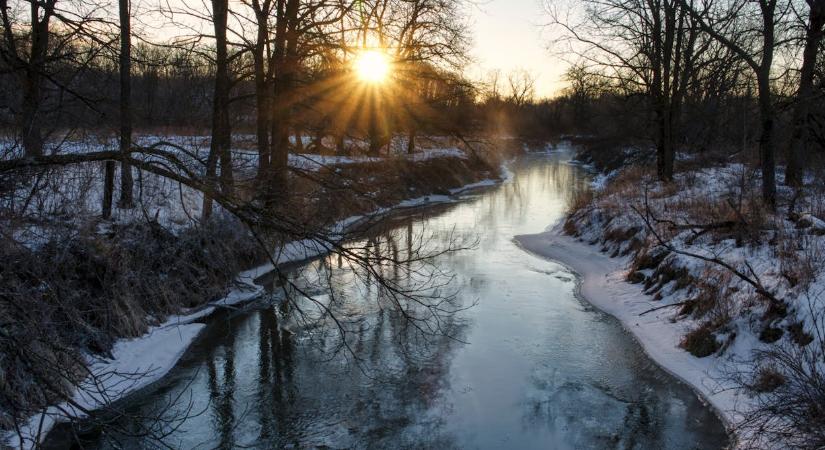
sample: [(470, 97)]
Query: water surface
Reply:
[(529, 365)]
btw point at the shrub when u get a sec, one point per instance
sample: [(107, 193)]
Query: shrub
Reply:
[(770, 334), (79, 292), (701, 342), (767, 379), (788, 409)]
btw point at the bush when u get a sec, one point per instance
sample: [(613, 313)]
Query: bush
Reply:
[(770, 334), (767, 379), (701, 342), (788, 380)]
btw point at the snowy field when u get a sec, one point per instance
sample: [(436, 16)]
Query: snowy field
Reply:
[(75, 193)]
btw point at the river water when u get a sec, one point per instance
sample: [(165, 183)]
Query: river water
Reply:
[(520, 363)]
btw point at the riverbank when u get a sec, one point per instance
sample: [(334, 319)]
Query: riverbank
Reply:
[(523, 364), (134, 363), (602, 283), (718, 289)]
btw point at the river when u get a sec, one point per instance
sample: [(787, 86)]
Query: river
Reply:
[(526, 365)]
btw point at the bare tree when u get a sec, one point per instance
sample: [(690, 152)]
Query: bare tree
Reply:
[(30, 66), (221, 142), (125, 59), (645, 45), (753, 36), (806, 94), (522, 87)]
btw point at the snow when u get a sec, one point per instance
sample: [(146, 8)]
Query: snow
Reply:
[(782, 251), (77, 191), (602, 283), (135, 364), (311, 162), (424, 155), (314, 162)]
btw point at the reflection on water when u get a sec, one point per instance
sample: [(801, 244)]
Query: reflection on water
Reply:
[(528, 366)]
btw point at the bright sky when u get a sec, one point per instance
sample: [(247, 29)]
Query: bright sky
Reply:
[(508, 36)]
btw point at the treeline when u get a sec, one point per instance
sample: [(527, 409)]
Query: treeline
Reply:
[(170, 88), (722, 75), (272, 68)]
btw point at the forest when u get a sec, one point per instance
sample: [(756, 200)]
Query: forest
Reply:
[(162, 163)]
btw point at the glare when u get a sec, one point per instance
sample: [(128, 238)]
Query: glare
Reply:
[(372, 66)]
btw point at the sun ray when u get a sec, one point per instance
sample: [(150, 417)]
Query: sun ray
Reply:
[(372, 66)]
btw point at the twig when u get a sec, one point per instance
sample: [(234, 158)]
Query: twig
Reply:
[(665, 306)]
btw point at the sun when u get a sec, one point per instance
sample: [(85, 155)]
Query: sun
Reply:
[(372, 66)]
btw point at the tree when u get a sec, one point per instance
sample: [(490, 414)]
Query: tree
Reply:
[(220, 145), (30, 66), (752, 36), (286, 63), (125, 59), (647, 46), (806, 94), (522, 86), (263, 69)]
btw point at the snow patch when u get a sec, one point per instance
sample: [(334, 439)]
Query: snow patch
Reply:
[(602, 283)]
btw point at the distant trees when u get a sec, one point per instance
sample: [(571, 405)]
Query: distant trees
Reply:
[(282, 67), (644, 45), (522, 86), (689, 60)]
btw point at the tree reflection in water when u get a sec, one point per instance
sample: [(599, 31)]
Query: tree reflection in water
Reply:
[(372, 355), (382, 334)]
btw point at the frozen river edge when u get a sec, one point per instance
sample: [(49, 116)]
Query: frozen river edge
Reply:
[(601, 283)]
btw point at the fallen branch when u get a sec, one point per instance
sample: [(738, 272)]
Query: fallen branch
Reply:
[(665, 306), (755, 281)]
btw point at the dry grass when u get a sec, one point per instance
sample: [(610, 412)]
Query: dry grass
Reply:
[(701, 341), (80, 291)]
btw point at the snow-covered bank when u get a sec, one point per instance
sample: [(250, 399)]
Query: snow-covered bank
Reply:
[(720, 290), (133, 365), (139, 362), (602, 283)]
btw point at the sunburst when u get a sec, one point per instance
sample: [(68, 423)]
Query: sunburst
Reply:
[(372, 66)]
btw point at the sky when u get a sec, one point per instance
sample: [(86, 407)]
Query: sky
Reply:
[(507, 35)]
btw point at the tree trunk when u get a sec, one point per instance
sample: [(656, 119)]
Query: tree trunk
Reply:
[(340, 144), (766, 113), (667, 57), (665, 154), (126, 182), (374, 137), (286, 48), (262, 95), (221, 131), (211, 172), (30, 122), (411, 141), (32, 138), (221, 127), (794, 174), (108, 188), (766, 145)]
